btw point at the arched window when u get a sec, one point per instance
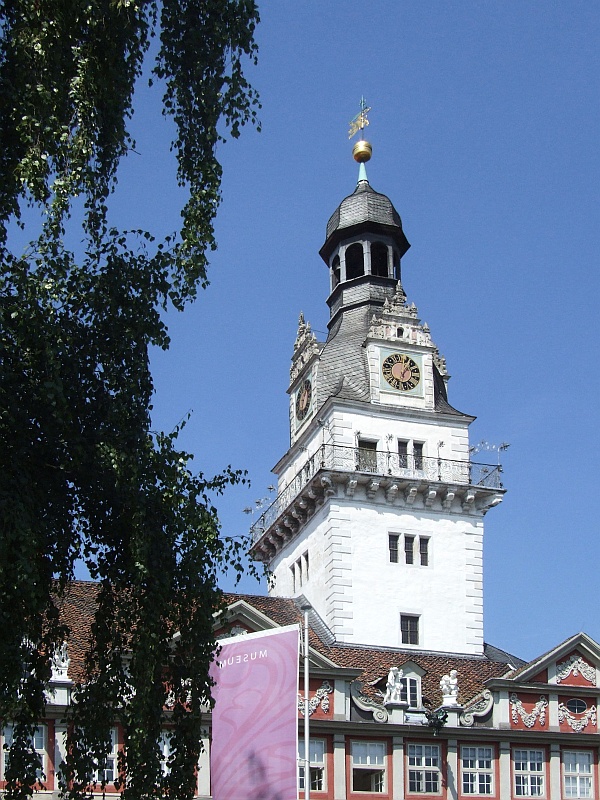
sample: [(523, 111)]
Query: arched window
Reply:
[(355, 261), (335, 272), (379, 259)]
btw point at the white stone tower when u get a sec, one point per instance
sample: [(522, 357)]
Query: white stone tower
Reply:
[(378, 520)]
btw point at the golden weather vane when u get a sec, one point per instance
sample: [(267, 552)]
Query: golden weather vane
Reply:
[(360, 121)]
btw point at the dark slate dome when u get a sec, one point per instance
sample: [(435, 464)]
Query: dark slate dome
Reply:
[(365, 209)]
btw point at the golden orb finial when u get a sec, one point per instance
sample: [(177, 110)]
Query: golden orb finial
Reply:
[(362, 151)]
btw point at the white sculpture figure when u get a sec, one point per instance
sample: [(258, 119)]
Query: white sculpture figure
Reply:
[(449, 687), (60, 662), (393, 687)]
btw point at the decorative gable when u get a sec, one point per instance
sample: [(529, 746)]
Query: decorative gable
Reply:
[(575, 670)]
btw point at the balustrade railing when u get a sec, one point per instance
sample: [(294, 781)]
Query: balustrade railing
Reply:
[(379, 462)]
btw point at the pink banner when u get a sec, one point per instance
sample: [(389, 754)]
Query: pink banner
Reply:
[(254, 748)]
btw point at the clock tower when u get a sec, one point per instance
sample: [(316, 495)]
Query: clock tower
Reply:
[(378, 520)]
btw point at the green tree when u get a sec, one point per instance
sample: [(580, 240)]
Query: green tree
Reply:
[(83, 476)]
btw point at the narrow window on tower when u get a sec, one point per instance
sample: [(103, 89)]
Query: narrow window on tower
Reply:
[(409, 549), (393, 545), (293, 574), (402, 454), (424, 551), (335, 272), (409, 629), (418, 454), (355, 261), (305, 560), (379, 259)]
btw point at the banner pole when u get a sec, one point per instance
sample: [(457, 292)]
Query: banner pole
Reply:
[(306, 608)]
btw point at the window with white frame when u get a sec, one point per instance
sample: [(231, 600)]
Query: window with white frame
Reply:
[(367, 455), (317, 765), (39, 746), (477, 770), (409, 691), (299, 572), (424, 769), (424, 551), (409, 549), (106, 771), (393, 547), (529, 773), (402, 453), (577, 773), (409, 629), (418, 448), (368, 766)]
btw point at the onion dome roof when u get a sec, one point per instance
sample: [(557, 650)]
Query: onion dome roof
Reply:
[(365, 209)]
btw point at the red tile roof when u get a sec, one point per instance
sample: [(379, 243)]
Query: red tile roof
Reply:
[(79, 604)]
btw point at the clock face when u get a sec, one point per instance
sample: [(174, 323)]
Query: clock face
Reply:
[(401, 372), (303, 400)]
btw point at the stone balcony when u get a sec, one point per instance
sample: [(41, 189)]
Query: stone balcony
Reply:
[(398, 480)]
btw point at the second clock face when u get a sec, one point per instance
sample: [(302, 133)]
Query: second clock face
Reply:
[(401, 372), (303, 400)]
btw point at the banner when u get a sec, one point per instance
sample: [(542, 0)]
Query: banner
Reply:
[(254, 748)]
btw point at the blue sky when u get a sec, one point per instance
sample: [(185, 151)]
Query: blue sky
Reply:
[(484, 125)]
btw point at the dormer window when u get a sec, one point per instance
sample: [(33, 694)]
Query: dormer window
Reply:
[(409, 692), (355, 261)]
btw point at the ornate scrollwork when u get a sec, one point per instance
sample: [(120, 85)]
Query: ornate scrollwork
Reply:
[(480, 706), (517, 710), (380, 714), (577, 666), (320, 698), (577, 721)]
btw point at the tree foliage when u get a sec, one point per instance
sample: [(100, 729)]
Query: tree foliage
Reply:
[(83, 476)]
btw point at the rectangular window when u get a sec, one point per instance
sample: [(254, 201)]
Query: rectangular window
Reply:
[(424, 768), (38, 744), (409, 691), (477, 772), (368, 766), (393, 545), (106, 771), (293, 574), (317, 765), (409, 549), (367, 456), (424, 550), (577, 773), (409, 629), (418, 455), (529, 773), (402, 454)]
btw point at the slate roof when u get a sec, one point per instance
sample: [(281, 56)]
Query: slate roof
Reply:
[(364, 207), (343, 369)]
